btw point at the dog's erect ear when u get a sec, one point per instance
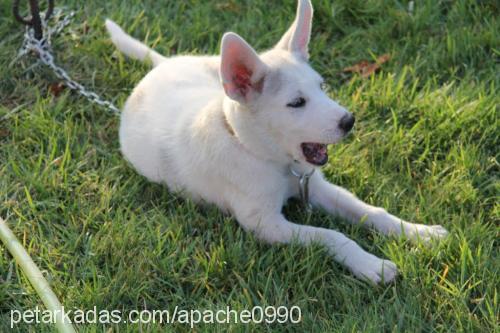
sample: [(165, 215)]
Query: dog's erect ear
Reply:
[(241, 70), (296, 39)]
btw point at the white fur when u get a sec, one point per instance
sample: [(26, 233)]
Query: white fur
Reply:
[(176, 129), (130, 46)]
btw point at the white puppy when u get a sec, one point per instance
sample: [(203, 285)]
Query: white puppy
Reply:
[(244, 131)]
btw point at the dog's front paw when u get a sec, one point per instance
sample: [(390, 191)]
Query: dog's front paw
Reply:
[(425, 233), (369, 267)]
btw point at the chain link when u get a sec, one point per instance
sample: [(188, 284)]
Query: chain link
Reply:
[(43, 49)]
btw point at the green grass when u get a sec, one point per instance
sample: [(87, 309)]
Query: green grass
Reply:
[(425, 148)]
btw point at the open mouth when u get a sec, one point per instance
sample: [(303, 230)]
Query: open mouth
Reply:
[(315, 153)]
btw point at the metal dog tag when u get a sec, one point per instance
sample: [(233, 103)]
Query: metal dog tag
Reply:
[(304, 187)]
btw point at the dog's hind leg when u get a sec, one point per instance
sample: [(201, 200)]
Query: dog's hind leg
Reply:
[(274, 228), (337, 200)]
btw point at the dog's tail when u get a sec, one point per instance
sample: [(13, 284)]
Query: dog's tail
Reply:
[(131, 46)]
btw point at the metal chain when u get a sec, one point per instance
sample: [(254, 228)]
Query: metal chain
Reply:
[(43, 49)]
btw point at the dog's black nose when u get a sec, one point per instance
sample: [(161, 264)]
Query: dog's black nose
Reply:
[(347, 122)]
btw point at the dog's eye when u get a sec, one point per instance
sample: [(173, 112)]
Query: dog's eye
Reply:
[(297, 103)]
